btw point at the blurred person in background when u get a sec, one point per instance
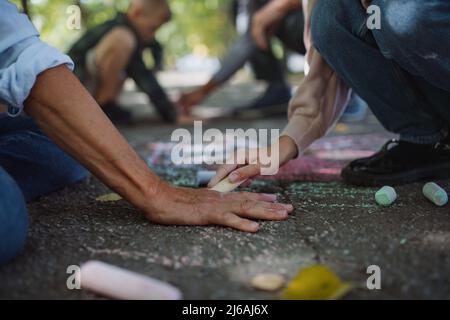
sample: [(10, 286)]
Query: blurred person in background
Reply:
[(265, 65), (254, 46), (109, 53)]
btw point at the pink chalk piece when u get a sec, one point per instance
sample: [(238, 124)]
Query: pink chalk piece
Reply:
[(114, 282)]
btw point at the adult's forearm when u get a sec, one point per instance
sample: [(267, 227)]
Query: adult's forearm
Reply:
[(72, 119)]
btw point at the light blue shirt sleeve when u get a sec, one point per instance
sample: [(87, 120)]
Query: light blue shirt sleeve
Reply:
[(23, 56)]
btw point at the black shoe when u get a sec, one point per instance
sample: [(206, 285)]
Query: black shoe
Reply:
[(401, 162), (273, 102), (117, 114)]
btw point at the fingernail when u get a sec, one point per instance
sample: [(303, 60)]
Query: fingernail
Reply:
[(282, 213), (255, 226), (233, 177), (289, 207), (271, 197)]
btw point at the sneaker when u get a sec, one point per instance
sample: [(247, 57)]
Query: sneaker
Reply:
[(356, 110), (401, 162), (117, 114), (273, 102)]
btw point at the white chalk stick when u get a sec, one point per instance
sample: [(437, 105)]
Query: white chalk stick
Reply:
[(226, 186), (117, 283)]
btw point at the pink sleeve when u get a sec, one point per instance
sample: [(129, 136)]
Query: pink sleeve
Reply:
[(321, 97)]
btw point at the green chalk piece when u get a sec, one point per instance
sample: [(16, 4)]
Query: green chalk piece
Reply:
[(386, 196), (435, 194)]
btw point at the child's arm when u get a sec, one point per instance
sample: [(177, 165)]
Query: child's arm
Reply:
[(240, 52), (158, 55), (147, 82)]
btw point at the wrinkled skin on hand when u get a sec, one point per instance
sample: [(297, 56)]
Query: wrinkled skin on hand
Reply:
[(183, 206)]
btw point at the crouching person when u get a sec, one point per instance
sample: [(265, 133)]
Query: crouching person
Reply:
[(107, 54)]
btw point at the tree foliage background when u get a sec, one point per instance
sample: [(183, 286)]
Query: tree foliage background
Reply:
[(197, 25)]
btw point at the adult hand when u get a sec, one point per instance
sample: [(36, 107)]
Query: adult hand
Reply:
[(182, 206)]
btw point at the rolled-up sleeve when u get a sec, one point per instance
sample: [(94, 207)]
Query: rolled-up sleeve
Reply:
[(23, 56), (321, 97)]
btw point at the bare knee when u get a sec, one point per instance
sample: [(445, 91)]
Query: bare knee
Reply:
[(115, 49), (112, 56)]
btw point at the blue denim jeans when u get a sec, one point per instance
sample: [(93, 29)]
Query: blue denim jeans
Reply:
[(30, 166), (401, 70)]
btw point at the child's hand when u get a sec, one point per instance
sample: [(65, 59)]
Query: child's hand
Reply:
[(188, 101), (245, 170), (251, 166), (265, 21)]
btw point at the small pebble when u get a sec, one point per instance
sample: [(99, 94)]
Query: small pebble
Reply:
[(386, 196), (268, 282), (435, 194)]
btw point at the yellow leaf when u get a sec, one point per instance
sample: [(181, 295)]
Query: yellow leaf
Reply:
[(111, 197), (316, 283)]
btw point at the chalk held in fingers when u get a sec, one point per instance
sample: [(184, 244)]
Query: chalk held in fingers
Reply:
[(117, 283), (386, 196), (435, 194), (226, 186)]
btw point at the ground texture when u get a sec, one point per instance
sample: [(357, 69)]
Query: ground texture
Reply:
[(333, 224)]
